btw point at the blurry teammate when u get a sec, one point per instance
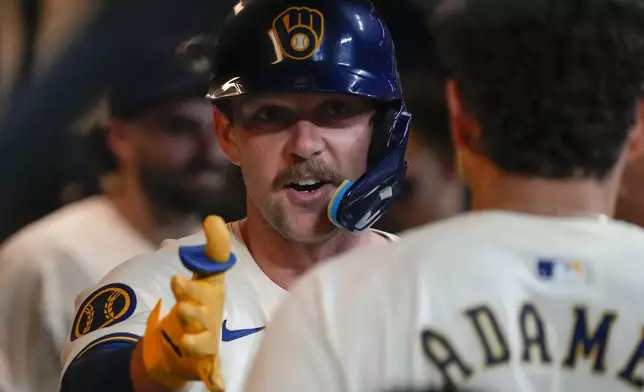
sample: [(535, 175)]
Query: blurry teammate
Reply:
[(308, 103), (538, 289), (169, 166), (432, 190)]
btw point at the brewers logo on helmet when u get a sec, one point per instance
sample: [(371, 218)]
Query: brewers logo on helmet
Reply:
[(299, 32)]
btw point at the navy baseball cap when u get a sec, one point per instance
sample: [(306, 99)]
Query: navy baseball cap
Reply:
[(165, 67)]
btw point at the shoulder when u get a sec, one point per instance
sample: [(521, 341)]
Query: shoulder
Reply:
[(58, 231), (120, 302), (405, 246), (157, 266), (498, 245), (163, 263), (362, 272), (39, 247)]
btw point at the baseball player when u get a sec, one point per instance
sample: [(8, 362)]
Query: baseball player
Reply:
[(167, 164), (308, 102), (538, 289)]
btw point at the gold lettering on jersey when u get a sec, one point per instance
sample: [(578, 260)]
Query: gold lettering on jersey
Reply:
[(106, 306), (589, 345), (628, 372), (490, 335), (443, 355), (533, 334)]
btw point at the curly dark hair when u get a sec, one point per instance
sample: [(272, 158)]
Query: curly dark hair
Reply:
[(553, 84)]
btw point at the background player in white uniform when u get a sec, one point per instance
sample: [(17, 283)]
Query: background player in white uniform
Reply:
[(298, 123), (538, 289), (168, 164)]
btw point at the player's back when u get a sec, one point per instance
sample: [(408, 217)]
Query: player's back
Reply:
[(497, 301)]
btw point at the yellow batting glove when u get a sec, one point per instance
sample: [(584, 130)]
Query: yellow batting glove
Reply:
[(184, 345)]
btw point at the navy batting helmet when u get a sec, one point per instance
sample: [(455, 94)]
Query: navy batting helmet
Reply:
[(328, 46)]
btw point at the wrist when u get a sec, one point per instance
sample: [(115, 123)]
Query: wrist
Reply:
[(142, 380)]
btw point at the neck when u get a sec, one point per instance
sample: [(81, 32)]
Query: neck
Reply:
[(282, 260), (545, 197), (153, 223), (630, 208)]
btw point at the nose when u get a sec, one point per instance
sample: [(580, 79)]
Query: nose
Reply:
[(305, 140)]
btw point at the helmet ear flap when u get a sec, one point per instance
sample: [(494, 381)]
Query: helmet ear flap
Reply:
[(383, 122), (358, 205)]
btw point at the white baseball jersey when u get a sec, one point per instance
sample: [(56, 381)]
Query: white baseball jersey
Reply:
[(43, 267), (492, 301), (134, 289)]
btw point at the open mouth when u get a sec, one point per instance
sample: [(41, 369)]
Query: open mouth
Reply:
[(310, 185)]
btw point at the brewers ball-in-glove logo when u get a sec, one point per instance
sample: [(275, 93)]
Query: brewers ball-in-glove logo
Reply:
[(299, 31), (106, 306)]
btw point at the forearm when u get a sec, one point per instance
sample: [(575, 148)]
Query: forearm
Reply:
[(100, 370), (108, 369)]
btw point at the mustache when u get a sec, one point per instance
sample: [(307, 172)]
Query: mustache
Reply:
[(307, 169)]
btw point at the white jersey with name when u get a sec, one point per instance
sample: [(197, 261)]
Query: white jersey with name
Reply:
[(43, 268), (492, 301), (135, 287)]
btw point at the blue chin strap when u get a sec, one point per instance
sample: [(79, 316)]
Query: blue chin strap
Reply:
[(356, 206)]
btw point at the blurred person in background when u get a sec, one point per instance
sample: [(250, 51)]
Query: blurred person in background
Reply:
[(432, 189), (169, 171), (34, 36)]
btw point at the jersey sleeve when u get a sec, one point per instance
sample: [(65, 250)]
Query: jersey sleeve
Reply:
[(110, 320), (295, 354)]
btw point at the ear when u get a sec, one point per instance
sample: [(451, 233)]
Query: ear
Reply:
[(635, 142), (464, 128), (118, 141), (226, 136)]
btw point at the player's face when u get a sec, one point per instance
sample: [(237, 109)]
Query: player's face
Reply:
[(294, 150), (176, 154)]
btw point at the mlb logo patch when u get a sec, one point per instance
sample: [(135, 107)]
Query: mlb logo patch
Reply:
[(562, 270)]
